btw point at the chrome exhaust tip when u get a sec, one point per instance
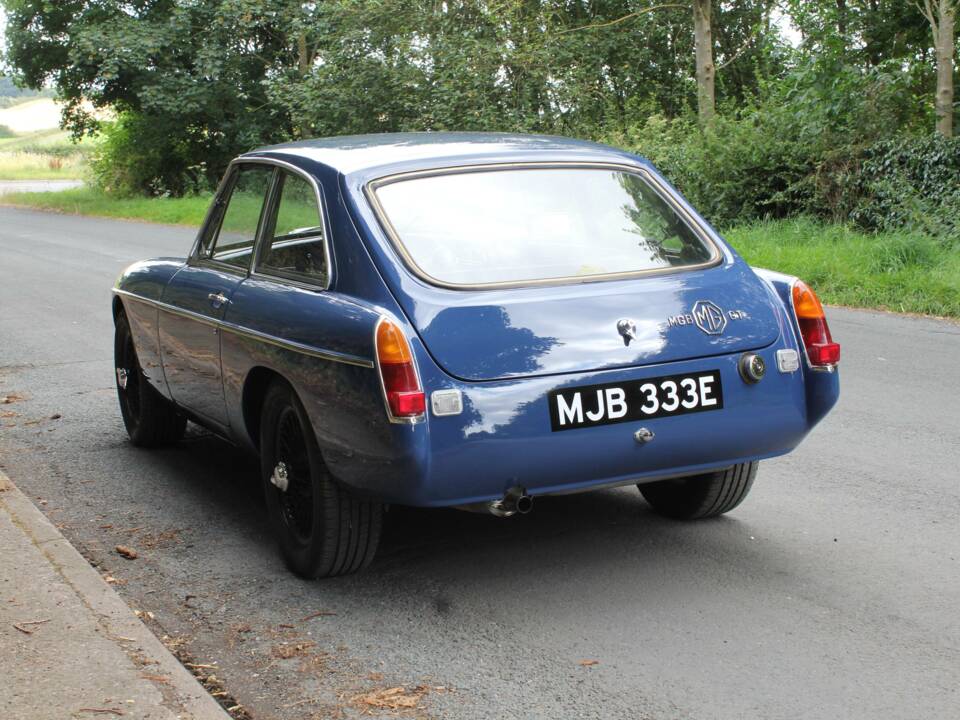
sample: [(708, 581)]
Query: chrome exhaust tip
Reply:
[(514, 501)]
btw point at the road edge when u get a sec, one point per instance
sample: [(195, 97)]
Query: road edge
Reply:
[(181, 691)]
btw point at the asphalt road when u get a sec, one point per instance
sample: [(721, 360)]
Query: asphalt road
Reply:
[(832, 592)]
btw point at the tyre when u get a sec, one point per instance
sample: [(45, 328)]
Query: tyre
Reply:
[(323, 530), (151, 420), (701, 496)]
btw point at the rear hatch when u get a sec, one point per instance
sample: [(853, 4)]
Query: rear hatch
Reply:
[(526, 332), (544, 268)]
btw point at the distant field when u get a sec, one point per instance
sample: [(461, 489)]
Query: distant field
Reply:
[(43, 152), (31, 116)]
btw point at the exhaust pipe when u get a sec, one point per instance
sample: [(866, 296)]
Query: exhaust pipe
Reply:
[(514, 501)]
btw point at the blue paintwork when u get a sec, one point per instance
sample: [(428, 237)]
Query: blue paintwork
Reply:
[(504, 349)]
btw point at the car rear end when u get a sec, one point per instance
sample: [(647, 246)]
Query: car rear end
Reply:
[(571, 324)]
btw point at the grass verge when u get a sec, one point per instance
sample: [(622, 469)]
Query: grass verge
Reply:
[(86, 201), (902, 271)]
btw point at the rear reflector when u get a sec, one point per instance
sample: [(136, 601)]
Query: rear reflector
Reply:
[(401, 386), (822, 351)]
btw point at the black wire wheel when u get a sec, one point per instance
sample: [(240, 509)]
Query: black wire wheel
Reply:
[(322, 528), (701, 496), (150, 419)]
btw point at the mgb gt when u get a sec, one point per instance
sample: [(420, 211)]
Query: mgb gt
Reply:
[(466, 320)]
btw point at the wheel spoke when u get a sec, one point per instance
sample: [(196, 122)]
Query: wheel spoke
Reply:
[(296, 502)]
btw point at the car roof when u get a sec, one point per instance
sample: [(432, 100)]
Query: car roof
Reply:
[(365, 154)]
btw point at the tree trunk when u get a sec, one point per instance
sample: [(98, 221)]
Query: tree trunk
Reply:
[(303, 65), (706, 72), (941, 15), (944, 48)]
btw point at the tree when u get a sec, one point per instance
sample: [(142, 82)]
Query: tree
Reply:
[(706, 72), (941, 15), (187, 78)]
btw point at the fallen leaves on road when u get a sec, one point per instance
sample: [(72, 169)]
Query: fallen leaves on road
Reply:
[(285, 651), (396, 698), (128, 552), (21, 625), (588, 663), (11, 398), (157, 678), (210, 682), (102, 711)]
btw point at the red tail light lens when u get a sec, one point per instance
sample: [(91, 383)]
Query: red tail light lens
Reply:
[(405, 398), (822, 351)]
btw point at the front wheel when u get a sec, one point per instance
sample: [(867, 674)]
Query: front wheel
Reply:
[(323, 530), (701, 496)]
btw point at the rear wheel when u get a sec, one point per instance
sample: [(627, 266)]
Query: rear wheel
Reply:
[(323, 530), (150, 419), (701, 496)]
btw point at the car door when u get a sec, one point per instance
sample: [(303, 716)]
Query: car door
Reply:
[(196, 298)]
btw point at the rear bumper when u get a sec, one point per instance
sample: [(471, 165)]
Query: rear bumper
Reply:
[(503, 437)]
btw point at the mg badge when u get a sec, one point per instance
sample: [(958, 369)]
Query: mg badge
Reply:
[(627, 329), (708, 317)]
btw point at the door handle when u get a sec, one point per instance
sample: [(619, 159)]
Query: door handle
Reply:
[(218, 299)]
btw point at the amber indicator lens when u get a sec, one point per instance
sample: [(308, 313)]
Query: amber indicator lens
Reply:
[(822, 351), (405, 397)]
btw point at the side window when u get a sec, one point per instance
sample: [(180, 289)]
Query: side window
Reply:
[(236, 226), (295, 247)]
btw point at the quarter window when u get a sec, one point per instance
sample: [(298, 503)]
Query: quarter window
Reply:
[(295, 248), (236, 227)]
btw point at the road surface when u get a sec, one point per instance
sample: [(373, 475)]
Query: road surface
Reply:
[(832, 592)]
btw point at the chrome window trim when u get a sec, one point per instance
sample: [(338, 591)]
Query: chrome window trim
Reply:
[(196, 258), (324, 221), (370, 190), (321, 353), (252, 270)]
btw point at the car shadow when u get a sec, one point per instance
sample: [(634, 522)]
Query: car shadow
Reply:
[(590, 534)]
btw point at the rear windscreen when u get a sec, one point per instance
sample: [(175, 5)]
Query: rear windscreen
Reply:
[(529, 225)]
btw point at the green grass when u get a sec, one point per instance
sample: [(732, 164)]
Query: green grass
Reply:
[(902, 271), (899, 271), (86, 201)]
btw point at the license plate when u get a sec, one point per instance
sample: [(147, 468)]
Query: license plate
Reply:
[(590, 405)]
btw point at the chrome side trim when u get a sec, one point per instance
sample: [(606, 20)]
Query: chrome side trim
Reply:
[(381, 214), (320, 353)]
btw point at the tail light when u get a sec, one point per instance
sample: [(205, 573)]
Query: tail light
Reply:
[(822, 351), (398, 374)]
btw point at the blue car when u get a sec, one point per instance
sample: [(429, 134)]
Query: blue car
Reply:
[(466, 320)]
